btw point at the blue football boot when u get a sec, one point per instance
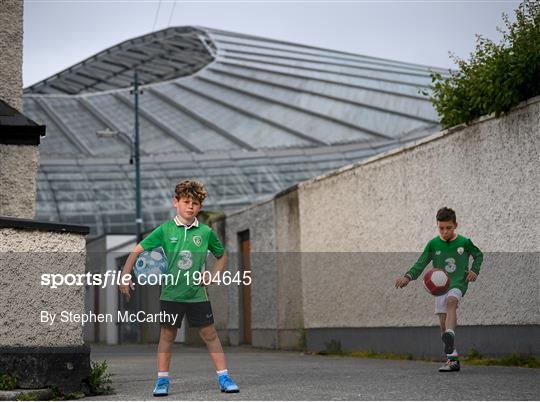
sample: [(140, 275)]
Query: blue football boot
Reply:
[(162, 386), (227, 384)]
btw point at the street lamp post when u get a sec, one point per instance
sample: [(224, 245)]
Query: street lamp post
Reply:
[(134, 155), (138, 219)]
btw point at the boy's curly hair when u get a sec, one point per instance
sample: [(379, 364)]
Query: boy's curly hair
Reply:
[(446, 214), (191, 189)]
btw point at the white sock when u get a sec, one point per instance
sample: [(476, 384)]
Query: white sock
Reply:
[(221, 372), (454, 355), (163, 374), (451, 331)]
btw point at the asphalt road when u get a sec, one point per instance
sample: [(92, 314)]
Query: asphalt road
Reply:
[(271, 375)]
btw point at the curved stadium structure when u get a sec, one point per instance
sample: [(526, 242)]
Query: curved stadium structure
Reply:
[(248, 116)]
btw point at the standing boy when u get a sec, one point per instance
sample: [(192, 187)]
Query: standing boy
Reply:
[(449, 251), (186, 242)]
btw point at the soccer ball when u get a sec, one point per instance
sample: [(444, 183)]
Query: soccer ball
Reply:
[(436, 281), (151, 262)]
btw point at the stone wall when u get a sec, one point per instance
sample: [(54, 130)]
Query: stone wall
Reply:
[(383, 213)]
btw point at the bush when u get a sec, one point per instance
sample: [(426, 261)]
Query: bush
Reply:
[(497, 76), (99, 380)]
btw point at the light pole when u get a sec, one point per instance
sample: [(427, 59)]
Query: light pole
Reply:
[(134, 155), (138, 219)]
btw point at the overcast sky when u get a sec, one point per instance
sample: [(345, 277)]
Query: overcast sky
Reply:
[(60, 33)]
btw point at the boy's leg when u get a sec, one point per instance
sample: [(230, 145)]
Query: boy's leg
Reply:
[(442, 322), (166, 339), (448, 337), (210, 337), (450, 324), (453, 297), (200, 315), (451, 315), (167, 336)]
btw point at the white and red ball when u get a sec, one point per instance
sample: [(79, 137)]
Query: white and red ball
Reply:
[(436, 281)]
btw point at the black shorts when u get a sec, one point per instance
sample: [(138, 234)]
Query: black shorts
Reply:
[(198, 314)]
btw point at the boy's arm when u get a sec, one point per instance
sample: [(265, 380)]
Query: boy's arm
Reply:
[(415, 271), (477, 255), (219, 266), (128, 267), (422, 262), (217, 249)]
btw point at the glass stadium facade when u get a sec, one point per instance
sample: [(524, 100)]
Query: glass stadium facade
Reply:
[(248, 116)]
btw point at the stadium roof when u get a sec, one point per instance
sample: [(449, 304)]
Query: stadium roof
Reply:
[(248, 116)]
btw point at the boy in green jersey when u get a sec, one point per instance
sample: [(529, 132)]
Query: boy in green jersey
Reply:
[(449, 251), (186, 243)]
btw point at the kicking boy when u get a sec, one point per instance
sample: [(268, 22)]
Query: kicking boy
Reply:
[(450, 251), (186, 242)]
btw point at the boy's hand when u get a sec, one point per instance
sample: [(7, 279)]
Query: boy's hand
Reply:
[(124, 289), (402, 281), (471, 276)]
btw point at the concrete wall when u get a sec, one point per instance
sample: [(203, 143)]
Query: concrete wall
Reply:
[(276, 290), (331, 249), (18, 163), (18, 175), (23, 259), (290, 321), (11, 49), (260, 221), (379, 214)]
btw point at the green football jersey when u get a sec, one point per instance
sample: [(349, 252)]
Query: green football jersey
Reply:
[(186, 248), (453, 257)]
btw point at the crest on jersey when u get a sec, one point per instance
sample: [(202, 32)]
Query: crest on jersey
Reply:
[(460, 250), (438, 252), (173, 239), (197, 240)]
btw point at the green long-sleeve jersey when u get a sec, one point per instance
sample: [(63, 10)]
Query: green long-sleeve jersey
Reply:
[(453, 257)]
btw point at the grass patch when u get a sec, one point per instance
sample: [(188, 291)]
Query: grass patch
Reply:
[(27, 396), (7, 382), (475, 358), (370, 354), (99, 383), (58, 395)]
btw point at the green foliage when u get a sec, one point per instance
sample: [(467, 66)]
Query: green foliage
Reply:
[(100, 381), (8, 381), (371, 354), (497, 76), (27, 396), (515, 360), (58, 395)]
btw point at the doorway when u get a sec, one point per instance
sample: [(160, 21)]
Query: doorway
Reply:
[(245, 290)]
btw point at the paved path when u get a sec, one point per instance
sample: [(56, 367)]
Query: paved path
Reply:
[(271, 375)]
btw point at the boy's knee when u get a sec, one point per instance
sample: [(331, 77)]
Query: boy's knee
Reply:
[(451, 302), (208, 334), (168, 334)]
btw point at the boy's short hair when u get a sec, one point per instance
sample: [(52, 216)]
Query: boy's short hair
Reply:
[(190, 189), (446, 214)]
